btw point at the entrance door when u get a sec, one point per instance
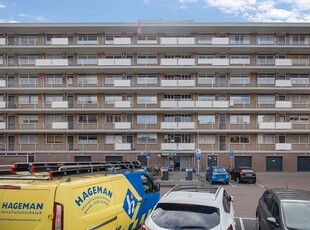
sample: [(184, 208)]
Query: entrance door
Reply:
[(70, 143), (222, 143), (223, 81), (70, 101), (11, 102), (11, 142), (243, 161), (129, 139), (176, 161), (274, 164), (11, 120), (222, 121), (212, 161), (70, 121)]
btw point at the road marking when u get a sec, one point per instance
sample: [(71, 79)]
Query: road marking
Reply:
[(241, 224), (260, 185), (232, 184)]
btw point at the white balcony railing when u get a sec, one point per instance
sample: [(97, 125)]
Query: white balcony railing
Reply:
[(281, 62), (59, 104), (283, 125), (122, 83), (60, 125), (51, 62), (177, 83), (122, 41), (283, 146), (59, 41), (2, 41), (122, 146), (2, 83), (2, 104), (116, 61), (186, 104), (283, 83), (177, 41), (2, 125), (220, 61), (122, 125), (267, 125), (283, 104), (220, 41), (177, 61), (168, 104), (220, 104), (203, 104), (177, 125), (122, 104)]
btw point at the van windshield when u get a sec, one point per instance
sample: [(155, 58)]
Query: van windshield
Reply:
[(185, 216), (296, 215)]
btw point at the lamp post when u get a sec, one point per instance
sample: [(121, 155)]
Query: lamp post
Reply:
[(198, 149)]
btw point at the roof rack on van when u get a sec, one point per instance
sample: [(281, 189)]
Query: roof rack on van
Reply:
[(55, 169)]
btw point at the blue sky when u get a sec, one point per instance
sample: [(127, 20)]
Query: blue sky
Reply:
[(134, 10)]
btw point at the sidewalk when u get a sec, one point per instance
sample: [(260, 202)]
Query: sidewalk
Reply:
[(175, 178)]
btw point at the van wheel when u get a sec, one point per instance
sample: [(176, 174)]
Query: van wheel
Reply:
[(238, 180)]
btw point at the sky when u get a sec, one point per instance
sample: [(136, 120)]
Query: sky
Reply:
[(23, 11)]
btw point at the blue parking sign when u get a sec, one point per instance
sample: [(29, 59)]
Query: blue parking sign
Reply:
[(148, 154), (231, 154)]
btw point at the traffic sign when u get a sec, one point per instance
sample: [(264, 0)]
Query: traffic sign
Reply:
[(231, 154), (148, 154), (198, 154)]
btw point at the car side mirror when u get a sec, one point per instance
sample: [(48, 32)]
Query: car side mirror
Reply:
[(272, 221), (157, 186), (231, 199)]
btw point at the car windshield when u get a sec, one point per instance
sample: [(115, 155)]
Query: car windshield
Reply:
[(247, 170), (185, 216), (220, 170), (296, 215)]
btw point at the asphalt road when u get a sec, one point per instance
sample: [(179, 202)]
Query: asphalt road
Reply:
[(246, 195)]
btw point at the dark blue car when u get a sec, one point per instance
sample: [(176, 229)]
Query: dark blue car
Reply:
[(217, 174)]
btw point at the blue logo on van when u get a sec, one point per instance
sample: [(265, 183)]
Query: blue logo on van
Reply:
[(130, 203)]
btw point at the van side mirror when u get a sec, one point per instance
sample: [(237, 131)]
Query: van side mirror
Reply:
[(157, 186)]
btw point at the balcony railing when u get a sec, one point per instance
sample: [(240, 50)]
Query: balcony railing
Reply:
[(116, 61), (122, 146), (122, 125)]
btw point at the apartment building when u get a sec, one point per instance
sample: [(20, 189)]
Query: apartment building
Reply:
[(238, 93)]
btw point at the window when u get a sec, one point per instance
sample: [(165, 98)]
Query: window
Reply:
[(239, 119), (300, 98), (87, 99), (206, 59), (240, 59), (28, 80), (148, 185), (109, 79), (208, 79), (28, 119), (28, 139), (111, 99), (26, 40), (206, 97), (50, 118), (27, 99), (48, 38), (27, 59), (266, 118), (240, 99), (299, 139), (172, 97), (1, 59), (53, 79), (177, 118), (205, 39), (240, 39), (147, 59), (147, 119), (226, 202), (87, 59), (178, 77), (145, 79), (50, 98), (113, 139), (299, 39), (265, 39), (53, 56), (240, 139), (299, 119), (54, 138), (299, 79), (1, 139), (87, 139), (147, 99), (111, 119), (240, 80), (265, 79), (149, 138), (265, 59), (87, 118), (266, 99), (147, 39), (265, 139), (87, 39), (87, 79), (206, 119), (206, 139)]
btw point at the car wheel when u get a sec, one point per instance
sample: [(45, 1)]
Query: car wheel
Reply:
[(211, 182), (238, 180), (226, 182), (257, 222)]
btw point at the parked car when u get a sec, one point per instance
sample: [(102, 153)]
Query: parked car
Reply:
[(283, 209), (193, 207), (243, 174), (217, 174)]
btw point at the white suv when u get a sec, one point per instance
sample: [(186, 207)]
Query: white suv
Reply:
[(193, 207)]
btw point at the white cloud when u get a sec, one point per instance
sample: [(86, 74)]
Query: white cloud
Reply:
[(37, 18), (2, 6), (187, 1)]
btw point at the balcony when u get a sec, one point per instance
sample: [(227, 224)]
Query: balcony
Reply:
[(122, 146), (203, 104), (283, 62), (122, 125), (168, 104), (51, 62), (283, 146), (2, 125), (283, 83), (177, 61), (275, 125), (122, 41), (283, 104), (283, 125), (2, 41), (220, 61), (116, 61), (122, 83), (60, 125), (177, 83), (2, 83), (59, 104), (177, 41), (177, 125), (220, 41), (59, 41), (122, 104), (178, 146), (221, 104), (2, 105)]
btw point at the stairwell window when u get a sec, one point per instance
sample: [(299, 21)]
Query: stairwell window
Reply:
[(28, 139)]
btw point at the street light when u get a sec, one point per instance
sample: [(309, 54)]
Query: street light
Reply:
[(198, 160)]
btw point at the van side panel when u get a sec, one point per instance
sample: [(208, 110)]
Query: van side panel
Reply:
[(88, 203), (27, 208)]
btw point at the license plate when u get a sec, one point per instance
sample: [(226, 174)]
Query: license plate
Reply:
[(221, 179), (248, 174)]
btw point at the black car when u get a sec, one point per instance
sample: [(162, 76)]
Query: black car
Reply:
[(283, 209), (243, 174)]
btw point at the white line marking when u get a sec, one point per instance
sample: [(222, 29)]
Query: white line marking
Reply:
[(241, 224), (260, 185), (246, 218)]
